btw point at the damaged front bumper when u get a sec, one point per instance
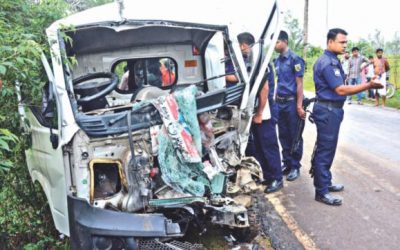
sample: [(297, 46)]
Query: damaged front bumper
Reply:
[(95, 228)]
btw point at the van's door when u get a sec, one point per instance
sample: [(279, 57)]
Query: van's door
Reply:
[(44, 156)]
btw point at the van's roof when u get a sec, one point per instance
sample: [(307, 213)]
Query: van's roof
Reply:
[(239, 16)]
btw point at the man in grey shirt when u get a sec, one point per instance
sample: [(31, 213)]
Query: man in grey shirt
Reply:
[(354, 77)]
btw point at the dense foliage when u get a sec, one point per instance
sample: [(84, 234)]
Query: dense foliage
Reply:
[(25, 221)]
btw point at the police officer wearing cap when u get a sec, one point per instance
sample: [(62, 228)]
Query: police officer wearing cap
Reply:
[(331, 92), (289, 68)]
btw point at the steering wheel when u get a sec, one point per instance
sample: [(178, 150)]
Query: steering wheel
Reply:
[(92, 90)]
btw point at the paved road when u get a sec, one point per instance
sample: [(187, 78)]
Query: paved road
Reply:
[(367, 162)]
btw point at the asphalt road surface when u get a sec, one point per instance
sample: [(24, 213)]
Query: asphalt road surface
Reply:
[(367, 162)]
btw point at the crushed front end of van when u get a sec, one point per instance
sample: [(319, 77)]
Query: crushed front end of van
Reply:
[(138, 137)]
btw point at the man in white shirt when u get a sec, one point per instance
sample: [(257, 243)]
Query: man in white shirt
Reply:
[(369, 75)]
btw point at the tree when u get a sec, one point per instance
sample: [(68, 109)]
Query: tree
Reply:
[(376, 39), (305, 28), (366, 49), (313, 51), (393, 48), (295, 33)]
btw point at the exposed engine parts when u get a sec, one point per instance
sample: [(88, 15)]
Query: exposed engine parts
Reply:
[(118, 180)]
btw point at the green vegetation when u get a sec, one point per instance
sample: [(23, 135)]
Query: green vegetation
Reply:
[(24, 215), (308, 75), (394, 102), (6, 138), (394, 61), (25, 219)]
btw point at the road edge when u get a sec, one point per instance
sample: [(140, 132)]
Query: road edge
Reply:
[(298, 239)]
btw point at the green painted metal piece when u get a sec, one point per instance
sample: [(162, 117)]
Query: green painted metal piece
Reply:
[(175, 201), (218, 183)]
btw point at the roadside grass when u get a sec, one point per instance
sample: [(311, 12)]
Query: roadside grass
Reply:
[(394, 62), (308, 75), (393, 102)]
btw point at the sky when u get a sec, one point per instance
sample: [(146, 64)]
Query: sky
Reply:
[(358, 17)]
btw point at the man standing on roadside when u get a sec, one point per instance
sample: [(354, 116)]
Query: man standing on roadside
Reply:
[(345, 65), (331, 94), (263, 142), (355, 71), (289, 68), (369, 75), (381, 67)]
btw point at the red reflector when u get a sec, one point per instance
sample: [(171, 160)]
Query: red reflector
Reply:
[(190, 63)]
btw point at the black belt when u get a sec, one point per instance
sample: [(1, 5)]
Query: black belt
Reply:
[(284, 99), (331, 104)]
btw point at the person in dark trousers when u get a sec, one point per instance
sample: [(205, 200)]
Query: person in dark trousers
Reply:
[(263, 141), (331, 94), (354, 77), (289, 68)]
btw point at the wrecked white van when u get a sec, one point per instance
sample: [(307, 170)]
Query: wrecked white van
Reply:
[(140, 138)]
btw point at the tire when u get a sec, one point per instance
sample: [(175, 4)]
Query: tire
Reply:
[(390, 90), (256, 213)]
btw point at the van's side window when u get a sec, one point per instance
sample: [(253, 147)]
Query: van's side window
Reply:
[(43, 106)]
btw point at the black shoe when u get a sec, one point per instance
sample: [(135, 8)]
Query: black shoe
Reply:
[(265, 182), (293, 175), (336, 188), (285, 170), (274, 186), (328, 199)]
